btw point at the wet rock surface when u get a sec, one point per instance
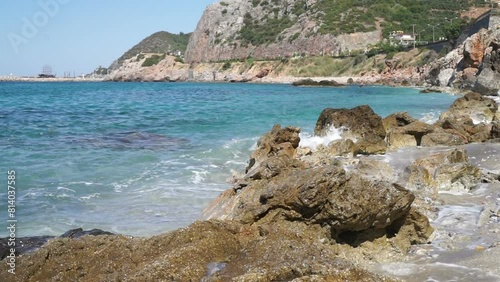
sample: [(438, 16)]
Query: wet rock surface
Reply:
[(362, 124), (26, 245), (311, 82)]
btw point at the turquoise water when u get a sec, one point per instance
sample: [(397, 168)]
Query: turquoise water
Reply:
[(145, 158)]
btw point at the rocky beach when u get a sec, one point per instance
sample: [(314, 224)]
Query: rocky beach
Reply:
[(373, 199), (393, 199)]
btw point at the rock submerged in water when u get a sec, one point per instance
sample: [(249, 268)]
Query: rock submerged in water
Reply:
[(311, 82)]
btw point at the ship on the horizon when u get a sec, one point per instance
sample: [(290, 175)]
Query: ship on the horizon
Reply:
[(46, 72)]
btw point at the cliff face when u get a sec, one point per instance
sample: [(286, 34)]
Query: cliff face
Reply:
[(473, 65), (238, 29), (134, 69)]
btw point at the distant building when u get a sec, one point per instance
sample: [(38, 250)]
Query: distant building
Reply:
[(400, 38)]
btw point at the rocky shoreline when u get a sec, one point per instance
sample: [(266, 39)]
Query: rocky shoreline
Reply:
[(393, 199), (54, 79), (337, 212)]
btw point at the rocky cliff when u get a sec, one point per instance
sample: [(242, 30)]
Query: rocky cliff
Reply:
[(473, 65), (236, 29)]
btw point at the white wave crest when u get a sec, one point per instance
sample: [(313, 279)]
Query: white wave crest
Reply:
[(308, 140), (430, 118)]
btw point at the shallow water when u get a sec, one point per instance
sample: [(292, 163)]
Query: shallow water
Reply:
[(466, 241), (145, 158)]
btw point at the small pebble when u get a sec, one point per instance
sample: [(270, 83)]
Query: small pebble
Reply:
[(480, 248)]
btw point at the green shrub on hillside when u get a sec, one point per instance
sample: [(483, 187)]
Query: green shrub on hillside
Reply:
[(226, 66), (349, 16), (153, 60)]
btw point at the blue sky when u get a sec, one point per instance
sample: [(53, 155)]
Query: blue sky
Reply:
[(79, 35)]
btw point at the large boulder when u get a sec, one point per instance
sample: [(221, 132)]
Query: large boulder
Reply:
[(322, 195), (488, 79), (275, 151), (474, 50), (362, 123), (446, 77), (488, 82), (446, 171), (416, 129), (468, 120), (397, 120), (400, 140), (473, 106)]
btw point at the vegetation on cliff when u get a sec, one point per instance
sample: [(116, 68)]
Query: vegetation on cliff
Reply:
[(159, 42), (347, 16)]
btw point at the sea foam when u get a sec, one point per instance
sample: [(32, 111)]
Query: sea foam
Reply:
[(308, 140)]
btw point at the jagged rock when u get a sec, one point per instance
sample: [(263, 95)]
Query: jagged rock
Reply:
[(78, 232), (310, 82), (469, 77), (417, 129), (397, 120), (473, 106), (362, 123), (488, 82), (280, 143), (322, 195), (446, 77), (447, 171), (442, 139), (400, 140), (344, 147), (368, 147), (374, 169), (420, 181), (412, 229), (474, 50)]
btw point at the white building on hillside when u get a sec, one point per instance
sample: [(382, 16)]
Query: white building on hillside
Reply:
[(400, 38)]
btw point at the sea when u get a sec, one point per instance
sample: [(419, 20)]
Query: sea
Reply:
[(141, 159)]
